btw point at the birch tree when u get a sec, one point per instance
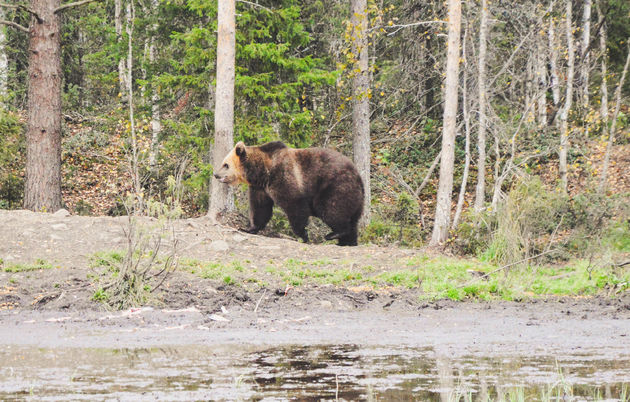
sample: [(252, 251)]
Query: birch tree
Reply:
[(156, 123), (4, 61), (360, 100), (584, 52), (221, 198), (480, 192), (123, 76), (445, 186), (564, 114)]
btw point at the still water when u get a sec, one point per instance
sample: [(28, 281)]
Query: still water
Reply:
[(344, 372)]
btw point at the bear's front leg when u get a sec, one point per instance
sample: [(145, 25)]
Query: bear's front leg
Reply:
[(260, 210)]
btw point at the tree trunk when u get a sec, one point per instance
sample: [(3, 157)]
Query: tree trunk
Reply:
[(360, 101), (156, 123), (137, 185), (541, 81), (462, 188), (42, 188), (221, 198), (611, 136), (122, 69), (480, 193), (564, 115), (584, 53), (445, 187), (4, 61), (553, 65), (604, 57)]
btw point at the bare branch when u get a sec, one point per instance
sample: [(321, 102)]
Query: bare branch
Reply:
[(15, 25), (70, 5), (255, 5), (23, 8), (413, 24)]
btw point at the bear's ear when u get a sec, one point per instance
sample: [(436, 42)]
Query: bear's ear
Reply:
[(240, 149)]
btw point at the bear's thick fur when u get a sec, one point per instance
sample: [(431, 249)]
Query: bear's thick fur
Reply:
[(303, 182)]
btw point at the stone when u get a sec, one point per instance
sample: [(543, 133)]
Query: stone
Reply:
[(59, 226), (219, 245), (62, 213)]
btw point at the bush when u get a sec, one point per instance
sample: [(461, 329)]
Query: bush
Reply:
[(12, 155), (534, 219)]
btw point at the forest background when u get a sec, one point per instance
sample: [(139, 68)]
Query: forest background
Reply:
[(541, 143)]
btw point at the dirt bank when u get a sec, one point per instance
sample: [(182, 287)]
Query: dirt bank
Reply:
[(53, 306)]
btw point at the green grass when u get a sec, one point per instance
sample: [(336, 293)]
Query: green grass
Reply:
[(106, 259), (37, 265), (432, 277)]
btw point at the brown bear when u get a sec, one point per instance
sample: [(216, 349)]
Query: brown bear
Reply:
[(303, 182)]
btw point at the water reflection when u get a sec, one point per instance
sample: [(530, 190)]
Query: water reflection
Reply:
[(347, 372)]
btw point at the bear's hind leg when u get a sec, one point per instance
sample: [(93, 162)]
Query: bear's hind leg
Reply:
[(298, 218)]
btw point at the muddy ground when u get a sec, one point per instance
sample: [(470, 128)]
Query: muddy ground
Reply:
[(53, 307)]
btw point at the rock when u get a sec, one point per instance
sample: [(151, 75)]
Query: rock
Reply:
[(55, 237), (59, 226), (238, 238), (219, 245), (216, 317), (62, 213), (326, 304)]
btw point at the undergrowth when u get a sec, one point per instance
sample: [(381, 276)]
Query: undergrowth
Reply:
[(432, 278)]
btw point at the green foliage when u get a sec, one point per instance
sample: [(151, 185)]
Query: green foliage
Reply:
[(37, 265), (395, 223), (12, 157)]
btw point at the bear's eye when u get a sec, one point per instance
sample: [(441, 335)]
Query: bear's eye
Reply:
[(225, 165)]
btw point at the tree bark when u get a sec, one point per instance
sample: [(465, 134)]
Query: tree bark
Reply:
[(42, 187), (122, 69), (360, 101), (604, 58), (584, 53), (221, 199), (462, 188), (4, 61), (564, 115), (445, 186), (480, 192), (541, 81), (553, 65), (156, 122)]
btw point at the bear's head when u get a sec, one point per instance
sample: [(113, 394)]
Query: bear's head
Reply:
[(232, 171)]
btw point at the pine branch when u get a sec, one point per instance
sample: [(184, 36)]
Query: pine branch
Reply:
[(70, 5), (15, 25), (24, 8)]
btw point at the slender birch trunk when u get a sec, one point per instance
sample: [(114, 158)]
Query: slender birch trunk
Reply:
[(553, 65), (603, 49), (584, 52), (541, 81), (221, 199), (462, 188), (156, 122), (122, 62), (132, 122), (4, 61), (360, 101), (445, 186), (564, 115), (480, 193)]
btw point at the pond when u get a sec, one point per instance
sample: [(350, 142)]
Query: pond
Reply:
[(314, 372)]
